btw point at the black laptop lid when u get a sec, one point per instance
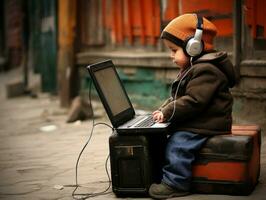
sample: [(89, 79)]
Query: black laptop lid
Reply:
[(111, 92)]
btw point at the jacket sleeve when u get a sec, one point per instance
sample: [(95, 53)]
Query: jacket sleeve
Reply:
[(204, 82), (167, 101)]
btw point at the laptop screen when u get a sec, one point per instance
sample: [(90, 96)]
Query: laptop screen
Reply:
[(112, 90)]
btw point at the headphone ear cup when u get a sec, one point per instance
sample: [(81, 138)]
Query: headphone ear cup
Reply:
[(193, 47)]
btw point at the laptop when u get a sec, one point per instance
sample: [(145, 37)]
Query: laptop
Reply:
[(117, 103)]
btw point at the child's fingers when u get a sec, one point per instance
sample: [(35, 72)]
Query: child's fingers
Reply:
[(155, 112), (155, 117), (161, 118), (158, 117)]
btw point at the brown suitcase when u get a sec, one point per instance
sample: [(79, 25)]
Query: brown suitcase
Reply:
[(229, 164)]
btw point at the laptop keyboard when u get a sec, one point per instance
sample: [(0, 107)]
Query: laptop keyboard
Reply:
[(146, 123), (133, 121)]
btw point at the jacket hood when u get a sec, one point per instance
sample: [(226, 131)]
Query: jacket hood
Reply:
[(220, 60)]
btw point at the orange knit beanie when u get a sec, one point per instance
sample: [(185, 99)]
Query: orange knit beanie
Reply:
[(182, 28)]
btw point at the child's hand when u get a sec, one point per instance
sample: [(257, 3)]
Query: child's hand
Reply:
[(158, 116)]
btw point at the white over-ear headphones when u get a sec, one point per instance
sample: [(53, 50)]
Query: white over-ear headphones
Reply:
[(194, 45)]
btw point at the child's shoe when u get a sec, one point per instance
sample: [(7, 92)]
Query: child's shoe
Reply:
[(164, 191)]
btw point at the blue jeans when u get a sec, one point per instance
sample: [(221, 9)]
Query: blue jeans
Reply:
[(180, 153)]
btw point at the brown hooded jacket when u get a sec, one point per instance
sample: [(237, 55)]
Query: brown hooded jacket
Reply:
[(202, 103)]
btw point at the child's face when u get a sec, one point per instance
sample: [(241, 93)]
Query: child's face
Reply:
[(177, 55)]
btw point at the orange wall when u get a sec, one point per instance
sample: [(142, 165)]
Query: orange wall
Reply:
[(129, 19)]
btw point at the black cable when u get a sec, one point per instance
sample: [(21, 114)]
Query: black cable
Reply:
[(89, 195)]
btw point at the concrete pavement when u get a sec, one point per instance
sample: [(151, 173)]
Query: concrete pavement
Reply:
[(38, 152)]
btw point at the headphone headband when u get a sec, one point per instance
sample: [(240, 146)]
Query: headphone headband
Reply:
[(200, 22)]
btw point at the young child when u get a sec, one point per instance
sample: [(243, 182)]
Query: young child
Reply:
[(200, 104)]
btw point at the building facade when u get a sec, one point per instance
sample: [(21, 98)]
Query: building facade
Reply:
[(66, 35)]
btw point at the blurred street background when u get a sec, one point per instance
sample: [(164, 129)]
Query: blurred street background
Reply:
[(45, 116)]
